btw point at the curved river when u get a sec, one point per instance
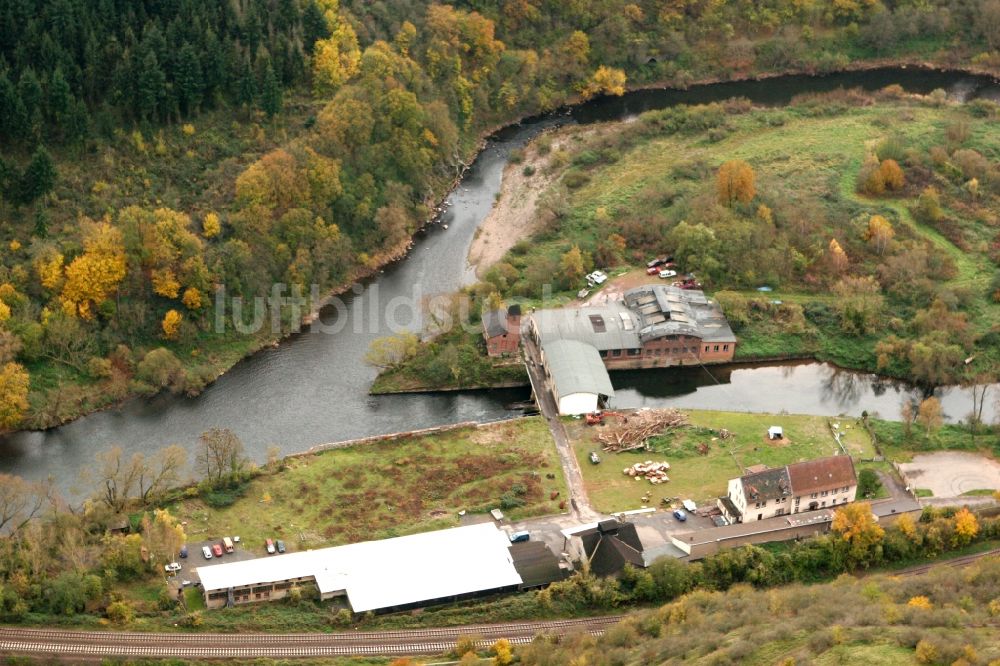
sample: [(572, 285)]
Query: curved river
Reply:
[(313, 388)]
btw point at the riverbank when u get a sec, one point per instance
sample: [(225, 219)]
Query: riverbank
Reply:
[(234, 351)]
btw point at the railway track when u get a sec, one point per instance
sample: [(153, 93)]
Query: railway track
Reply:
[(955, 563), (98, 644)]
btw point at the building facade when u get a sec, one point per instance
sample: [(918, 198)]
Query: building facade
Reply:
[(502, 331), (800, 487)]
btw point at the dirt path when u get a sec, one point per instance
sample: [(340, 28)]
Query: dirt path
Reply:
[(515, 214)]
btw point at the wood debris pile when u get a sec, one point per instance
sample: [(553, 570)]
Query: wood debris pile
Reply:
[(636, 431), (654, 472)]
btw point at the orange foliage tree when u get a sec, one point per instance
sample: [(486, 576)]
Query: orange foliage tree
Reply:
[(735, 182)]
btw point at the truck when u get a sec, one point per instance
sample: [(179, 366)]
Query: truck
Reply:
[(227, 543)]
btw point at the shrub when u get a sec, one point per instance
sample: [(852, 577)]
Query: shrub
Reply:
[(528, 170), (516, 156), (868, 483), (120, 612), (192, 620), (575, 179)]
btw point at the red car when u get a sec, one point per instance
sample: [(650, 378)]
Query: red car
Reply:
[(217, 550), (653, 270)]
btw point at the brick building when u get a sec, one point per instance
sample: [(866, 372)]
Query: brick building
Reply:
[(502, 331)]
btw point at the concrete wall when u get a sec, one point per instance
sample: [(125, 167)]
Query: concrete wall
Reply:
[(700, 550)]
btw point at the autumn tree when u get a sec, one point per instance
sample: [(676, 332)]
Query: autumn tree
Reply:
[(335, 58), (220, 455), (604, 81), (892, 175), (966, 528), (172, 324), (571, 266), (95, 274), (929, 415), (836, 258), (879, 233), (162, 535), (14, 385), (859, 303), (20, 501), (855, 526), (735, 182), (392, 351), (211, 226)]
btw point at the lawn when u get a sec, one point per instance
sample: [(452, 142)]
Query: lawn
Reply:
[(390, 488), (705, 477)]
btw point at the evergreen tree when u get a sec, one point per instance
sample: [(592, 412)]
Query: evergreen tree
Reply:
[(270, 92), (60, 97), (314, 25), (41, 223), (149, 86), (246, 92), (189, 80), (39, 176)]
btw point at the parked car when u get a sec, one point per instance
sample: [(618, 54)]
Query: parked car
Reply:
[(173, 567), (207, 552), (659, 261), (236, 539), (185, 583), (270, 547), (227, 543), (680, 515), (594, 458), (652, 270), (597, 277), (518, 537), (281, 545), (667, 274), (184, 551), (217, 549)]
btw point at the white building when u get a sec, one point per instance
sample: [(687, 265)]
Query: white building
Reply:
[(376, 575), (576, 376), (805, 486)]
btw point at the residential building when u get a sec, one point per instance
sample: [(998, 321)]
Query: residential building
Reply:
[(502, 331), (805, 486)]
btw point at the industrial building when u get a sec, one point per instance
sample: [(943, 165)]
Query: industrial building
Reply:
[(653, 326), (390, 574)]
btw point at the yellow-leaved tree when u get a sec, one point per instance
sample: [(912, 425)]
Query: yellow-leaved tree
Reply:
[(966, 527), (836, 257), (172, 324), (192, 299), (336, 58), (211, 226), (14, 382), (49, 266), (94, 275), (735, 182), (856, 525), (165, 283), (879, 233), (605, 81)]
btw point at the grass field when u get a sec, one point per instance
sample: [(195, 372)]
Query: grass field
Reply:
[(705, 477), (390, 488)]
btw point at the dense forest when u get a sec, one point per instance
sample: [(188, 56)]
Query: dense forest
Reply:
[(154, 151)]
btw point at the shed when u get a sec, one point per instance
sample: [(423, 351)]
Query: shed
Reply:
[(775, 432), (577, 376)]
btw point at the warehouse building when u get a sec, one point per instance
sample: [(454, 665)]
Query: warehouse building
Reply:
[(653, 326), (386, 575)]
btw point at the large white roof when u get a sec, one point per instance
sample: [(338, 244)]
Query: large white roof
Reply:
[(387, 573)]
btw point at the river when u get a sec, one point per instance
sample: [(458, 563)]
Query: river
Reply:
[(313, 388)]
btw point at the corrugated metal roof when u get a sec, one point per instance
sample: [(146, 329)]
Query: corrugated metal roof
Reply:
[(390, 572), (576, 367), (576, 324)]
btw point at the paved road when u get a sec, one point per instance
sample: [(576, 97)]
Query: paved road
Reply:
[(547, 405), (78, 646)]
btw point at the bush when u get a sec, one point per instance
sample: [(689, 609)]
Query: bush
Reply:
[(868, 483), (192, 620), (516, 156), (120, 612), (528, 170), (510, 501), (575, 179)]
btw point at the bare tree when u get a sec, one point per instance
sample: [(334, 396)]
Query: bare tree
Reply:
[(20, 501), (116, 479), (221, 454), (163, 472)]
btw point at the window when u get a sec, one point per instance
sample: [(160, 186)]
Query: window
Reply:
[(616, 352), (597, 323), (716, 347), (634, 352), (725, 347), (822, 503), (604, 353), (824, 493), (813, 496), (706, 347)]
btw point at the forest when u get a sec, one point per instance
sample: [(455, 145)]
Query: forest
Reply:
[(156, 151)]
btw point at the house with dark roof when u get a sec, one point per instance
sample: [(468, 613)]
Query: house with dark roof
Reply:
[(609, 546), (502, 330), (803, 486)]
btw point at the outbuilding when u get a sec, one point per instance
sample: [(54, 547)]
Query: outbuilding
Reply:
[(576, 376)]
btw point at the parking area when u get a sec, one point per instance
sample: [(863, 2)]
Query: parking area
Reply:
[(188, 575), (952, 473)]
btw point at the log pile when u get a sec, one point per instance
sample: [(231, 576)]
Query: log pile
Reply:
[(635, 433), (654, 472)]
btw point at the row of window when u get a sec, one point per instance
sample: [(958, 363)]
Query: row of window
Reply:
[(830, 492), (615, 353)]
